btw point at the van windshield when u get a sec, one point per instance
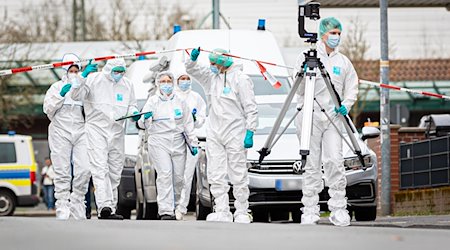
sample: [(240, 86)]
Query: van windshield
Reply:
[(268, 113)]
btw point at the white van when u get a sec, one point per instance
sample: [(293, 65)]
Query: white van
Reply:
[(17, 173)]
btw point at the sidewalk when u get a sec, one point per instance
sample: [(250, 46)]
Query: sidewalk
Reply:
[(429, 221)]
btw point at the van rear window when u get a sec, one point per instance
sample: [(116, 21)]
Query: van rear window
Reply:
[(7, 152)]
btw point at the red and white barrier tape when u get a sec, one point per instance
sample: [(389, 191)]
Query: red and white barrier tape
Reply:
[(382, 85), (96, 59), (259, 63)]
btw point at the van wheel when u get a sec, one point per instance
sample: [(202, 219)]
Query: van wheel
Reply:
[(7, 203), (201, 212), (151, 211), (260, 215), (124, 211), (365, 213), (139, 210)]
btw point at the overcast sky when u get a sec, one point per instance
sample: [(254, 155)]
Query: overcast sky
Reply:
[(413, 33)]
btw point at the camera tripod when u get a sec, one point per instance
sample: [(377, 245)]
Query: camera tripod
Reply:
[(309, 70)]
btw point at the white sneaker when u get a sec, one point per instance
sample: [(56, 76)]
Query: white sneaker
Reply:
[(243, 218), (78, 210), (179, 215), (220, 217), (340, 218), (63, 212)]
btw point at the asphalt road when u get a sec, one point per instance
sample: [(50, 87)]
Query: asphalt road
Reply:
[(47, 233)]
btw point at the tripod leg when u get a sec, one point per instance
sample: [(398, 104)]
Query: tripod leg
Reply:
[(345, 119), (263, 152), (307, 118)]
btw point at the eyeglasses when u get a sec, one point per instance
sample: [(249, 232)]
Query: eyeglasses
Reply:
[(118, 72), (166, 81)]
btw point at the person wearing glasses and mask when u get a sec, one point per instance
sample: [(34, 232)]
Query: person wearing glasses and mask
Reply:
[(107, 96), (170, 127)]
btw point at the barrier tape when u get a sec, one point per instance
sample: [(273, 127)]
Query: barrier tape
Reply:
[(258, 62), (387, 86), (96, 59)]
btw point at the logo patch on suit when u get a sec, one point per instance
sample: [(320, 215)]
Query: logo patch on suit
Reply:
[(337, 70), (178, 113), (119, 97), (226, 90)]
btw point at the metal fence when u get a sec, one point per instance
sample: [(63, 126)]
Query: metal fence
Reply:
[(425, 163)]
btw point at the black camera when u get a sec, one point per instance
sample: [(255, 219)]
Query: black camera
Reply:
[(311, 11)]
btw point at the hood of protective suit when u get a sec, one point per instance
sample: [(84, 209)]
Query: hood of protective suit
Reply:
[(235, 67), (71, 57), (110, 64)]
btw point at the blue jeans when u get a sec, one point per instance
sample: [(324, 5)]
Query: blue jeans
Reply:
[(49, 192)]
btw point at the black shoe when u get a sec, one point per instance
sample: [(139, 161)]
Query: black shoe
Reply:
[(106, 212), (167, 217)]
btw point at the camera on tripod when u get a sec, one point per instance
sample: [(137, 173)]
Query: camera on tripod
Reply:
[(311, 11)]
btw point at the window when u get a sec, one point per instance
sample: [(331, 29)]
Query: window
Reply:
[(7, 152)]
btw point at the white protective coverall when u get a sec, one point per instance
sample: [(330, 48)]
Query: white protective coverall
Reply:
[(105, 101), (170, 129), (193, 101), (232, 111), (326, 143), (67, 142)]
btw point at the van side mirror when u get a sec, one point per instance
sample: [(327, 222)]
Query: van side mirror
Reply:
[(370, 132)]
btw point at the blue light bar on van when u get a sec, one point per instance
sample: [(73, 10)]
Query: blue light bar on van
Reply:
[(176, 28), (261, 24), (11, 133)]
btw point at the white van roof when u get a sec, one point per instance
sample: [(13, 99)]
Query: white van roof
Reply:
[(253, 44)]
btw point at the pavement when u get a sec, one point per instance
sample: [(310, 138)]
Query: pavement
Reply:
[(430, 221), (48, 233)]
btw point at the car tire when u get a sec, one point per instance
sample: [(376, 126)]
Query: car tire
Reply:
[(260, 215), (201, 211), (365, 213), (191, 207), (7, 203), (139, 210), (279, 215), (296, 215), (151, 211), (124, 211)]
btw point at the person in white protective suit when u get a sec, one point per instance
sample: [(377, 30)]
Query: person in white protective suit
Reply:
[(231, 123), (107, 96), (326, 143), (197, 107), (67, 142), (170, 128)]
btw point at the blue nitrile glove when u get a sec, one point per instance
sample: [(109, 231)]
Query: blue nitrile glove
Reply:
[(89, 69), (65, 89), (194, 151), (136, 118), (248, 141), (194, 54), (342, 110), (194, 112), (148, 115)]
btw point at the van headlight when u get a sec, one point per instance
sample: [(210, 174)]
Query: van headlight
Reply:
[(130, 161), (354, 163)]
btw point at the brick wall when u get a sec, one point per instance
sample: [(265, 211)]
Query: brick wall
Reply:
[(422, 201), (398, 134)]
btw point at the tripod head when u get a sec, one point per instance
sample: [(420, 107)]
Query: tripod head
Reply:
[(311, 11)]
